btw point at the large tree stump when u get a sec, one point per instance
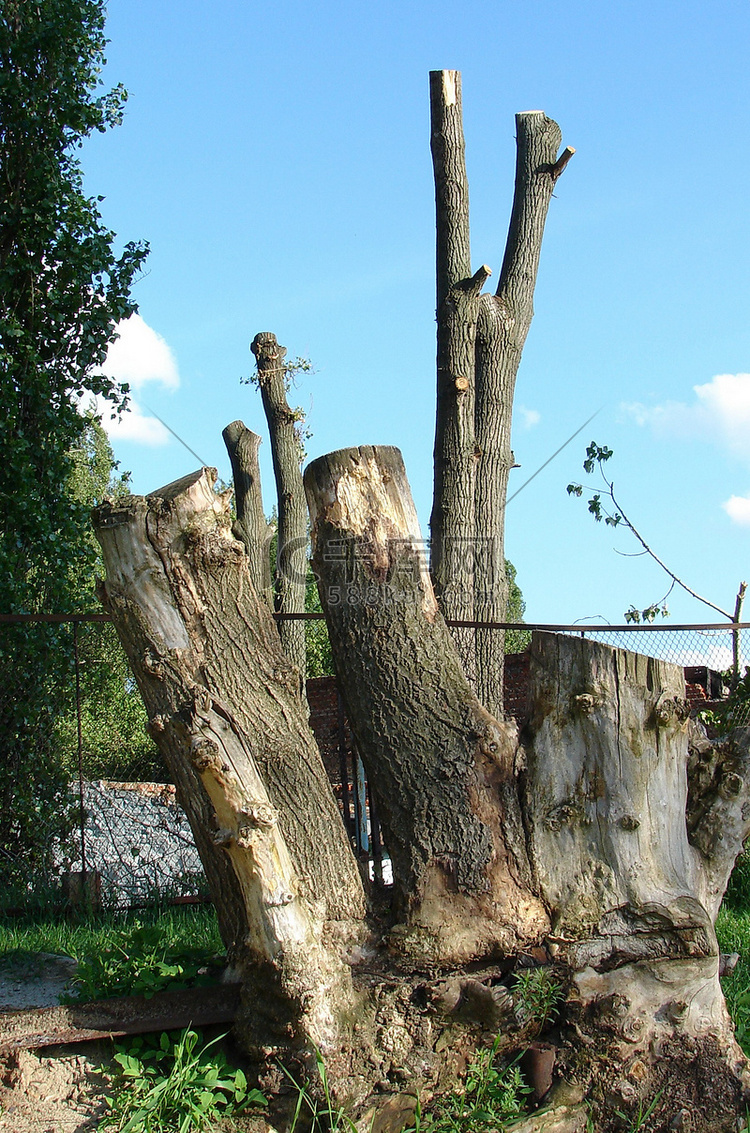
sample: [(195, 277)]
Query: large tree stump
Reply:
[(594, 847), (632, 839)]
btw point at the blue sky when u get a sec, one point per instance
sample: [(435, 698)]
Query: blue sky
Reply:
[(276, 156)]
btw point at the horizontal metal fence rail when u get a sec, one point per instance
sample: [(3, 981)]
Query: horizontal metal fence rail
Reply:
[(131, 818)]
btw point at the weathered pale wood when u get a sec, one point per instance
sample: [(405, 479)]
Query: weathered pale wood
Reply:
[(224, 710), (442, 769), (631, 890)]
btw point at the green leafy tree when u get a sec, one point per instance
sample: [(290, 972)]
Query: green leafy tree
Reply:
[(516, 640), (115, 744), (63, 289)]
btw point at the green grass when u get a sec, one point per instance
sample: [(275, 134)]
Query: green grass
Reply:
[(121, 953), (733, 931)]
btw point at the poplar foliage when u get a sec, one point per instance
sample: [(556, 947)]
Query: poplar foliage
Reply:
[(63, 289)]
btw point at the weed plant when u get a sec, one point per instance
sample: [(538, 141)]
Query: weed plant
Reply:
[(314, 1116), (492, 1095), (173, 1084), (142, 960), (537, 995)]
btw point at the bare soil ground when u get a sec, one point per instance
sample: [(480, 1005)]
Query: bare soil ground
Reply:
[(54, 1090)]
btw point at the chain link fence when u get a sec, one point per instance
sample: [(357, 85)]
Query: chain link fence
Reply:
[(86, 811)]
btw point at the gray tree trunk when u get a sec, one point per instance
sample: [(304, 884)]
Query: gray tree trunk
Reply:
[(441, 768), (480, 339), (286, 450), (250, 526), (224, 710), (502, 325)]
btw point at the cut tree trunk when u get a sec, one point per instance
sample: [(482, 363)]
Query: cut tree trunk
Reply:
[(224, 710), (287, 454), (503, 322), (452, 526), (441, 768), (250, 525)]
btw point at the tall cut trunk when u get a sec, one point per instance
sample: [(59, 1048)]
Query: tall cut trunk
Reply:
[(502, 325), (286, 450), (250, 526), (479, 344)]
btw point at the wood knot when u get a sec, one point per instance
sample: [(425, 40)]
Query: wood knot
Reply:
[(204, 754), (261, 815), (585, 703), (676, 1010), (570, 812), (671, 709), (629, 822), (279, 899), (731, 784), (153, 666), (156, 725), (461, 383)]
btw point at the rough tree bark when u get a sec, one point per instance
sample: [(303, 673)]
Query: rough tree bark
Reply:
[(502, 326), (480, 339), (250, 526), (452, 526), (441, 767), (223, 706), (291, 547)]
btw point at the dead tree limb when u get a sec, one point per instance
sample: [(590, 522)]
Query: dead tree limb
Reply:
[(286, 451), (503, 323), (250, 526), (479, 344)]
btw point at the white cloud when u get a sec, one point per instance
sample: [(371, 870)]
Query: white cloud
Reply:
[(720, 413), (132, 425), (529, 417), (738, 510), (138, 356), (141, 355)]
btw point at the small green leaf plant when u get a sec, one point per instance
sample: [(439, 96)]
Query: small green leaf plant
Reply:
[(493, 1095), (142, 962), (536, 995), (174, 1084)]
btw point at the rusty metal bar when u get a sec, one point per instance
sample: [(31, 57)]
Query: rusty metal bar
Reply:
[(129, 1015), (20, 619)]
